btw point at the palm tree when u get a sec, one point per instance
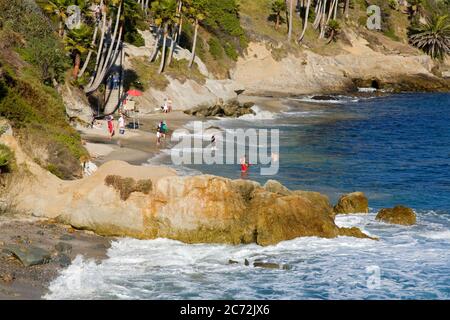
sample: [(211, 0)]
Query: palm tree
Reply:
[(291, 13), (77, 42), (278, 7), (164, 12), (333, 29), (58, 8), (195, 11), (305, 21), (433, 37), (347, 8)]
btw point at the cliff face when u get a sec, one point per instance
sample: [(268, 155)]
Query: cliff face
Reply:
[(356, 63)]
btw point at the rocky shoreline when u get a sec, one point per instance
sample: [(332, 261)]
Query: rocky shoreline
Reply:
[(33, 252)]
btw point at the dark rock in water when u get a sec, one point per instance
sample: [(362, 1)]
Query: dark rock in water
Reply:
[(64, 260), (355, 202), (325, 98), (63, 247), (66, 237), (266, 265), (230, 109), (397, 215), (29, 255), (286, 267), (354, 232), (232, 262), (246, 262)]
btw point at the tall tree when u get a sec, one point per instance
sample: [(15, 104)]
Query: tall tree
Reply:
[(433, 37), (58, 8), (278, 8), (291, 14), (77, 42), (164, 12), (195, 11), (305, 21)]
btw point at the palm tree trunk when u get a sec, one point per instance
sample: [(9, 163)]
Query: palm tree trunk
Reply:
[(318, 11), (172, 45), (76, 66), (100, 47), (277, 23), (291, 11), (323, 20), (194, 44), (305, 23), (156, 47), (104, 65), (163, 54), (332, 4), (180, 26), (61, 28), (347, 8), (88, 58)]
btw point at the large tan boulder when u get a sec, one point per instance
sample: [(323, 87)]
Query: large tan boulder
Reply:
[(206, 209), (397, 215), (355, 202)]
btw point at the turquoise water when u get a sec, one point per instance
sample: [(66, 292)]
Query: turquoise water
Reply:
[(396, 149)]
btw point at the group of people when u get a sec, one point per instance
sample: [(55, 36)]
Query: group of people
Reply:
[(167, 107), (114, 81), (120, 125)]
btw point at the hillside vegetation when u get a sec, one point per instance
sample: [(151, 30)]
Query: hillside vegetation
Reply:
[(31, 60)]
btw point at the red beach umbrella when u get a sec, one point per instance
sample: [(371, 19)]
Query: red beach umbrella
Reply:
[(134, 93)]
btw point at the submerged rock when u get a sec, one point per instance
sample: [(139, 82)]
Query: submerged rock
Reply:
[(355, 202), (63, 247), (29, 255), (266, 265), (397, 215)]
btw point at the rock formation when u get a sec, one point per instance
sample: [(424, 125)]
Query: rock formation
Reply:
[(355, 202), (230, 109), (397, 215)]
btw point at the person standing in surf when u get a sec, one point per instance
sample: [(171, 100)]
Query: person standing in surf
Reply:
[(111, 131)]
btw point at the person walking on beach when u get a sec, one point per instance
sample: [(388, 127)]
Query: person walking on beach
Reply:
[(111, 131), (169, 105), (121, 124), (158, 136), (166, 106)]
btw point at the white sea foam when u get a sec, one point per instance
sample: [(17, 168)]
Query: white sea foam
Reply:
[(320, 268), (260, 114), (338, 100)]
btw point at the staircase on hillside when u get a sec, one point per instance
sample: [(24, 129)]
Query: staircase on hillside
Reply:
[(112, 101)]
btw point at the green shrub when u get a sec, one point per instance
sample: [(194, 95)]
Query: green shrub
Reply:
[(6, 159), (126, 186), (230, 51), (215, 48)]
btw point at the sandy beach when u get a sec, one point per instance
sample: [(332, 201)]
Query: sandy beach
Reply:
[(136, 146)]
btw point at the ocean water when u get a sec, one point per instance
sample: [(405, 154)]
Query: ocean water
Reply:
[(395, 148)]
